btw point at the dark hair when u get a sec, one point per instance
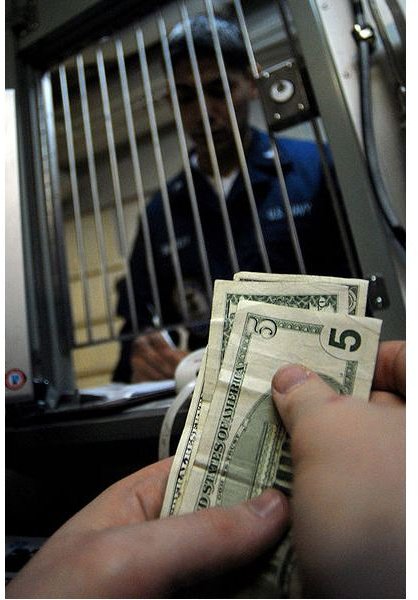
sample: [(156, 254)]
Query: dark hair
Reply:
[(230, 40)]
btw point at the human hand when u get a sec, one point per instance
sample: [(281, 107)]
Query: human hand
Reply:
[(116, 547), (348, 505), (153, 358)]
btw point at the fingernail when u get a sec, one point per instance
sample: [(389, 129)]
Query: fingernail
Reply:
[(288, 377), (268, 503)]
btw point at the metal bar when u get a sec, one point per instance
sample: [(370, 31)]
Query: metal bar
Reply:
[(397, 70), (116, 186), (76, 199), (209, 140), (286, 202), (161, 174), (94, 190), (246, 38), (289, 28), (352, 263), (185, 157), (320, 143), (58, 245), (56, 365), (45, 214), (294, 238), (399, 19), (149, 258), (35, 264), (237, 138)]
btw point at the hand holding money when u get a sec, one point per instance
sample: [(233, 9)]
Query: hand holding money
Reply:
[(349, 480), (347, 493), (234, 444), (116, 547), (298, 336)]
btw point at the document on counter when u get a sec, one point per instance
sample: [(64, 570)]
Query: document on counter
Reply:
[(148, 390)]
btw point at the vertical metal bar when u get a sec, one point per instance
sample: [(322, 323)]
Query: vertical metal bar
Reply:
[(39, 245), (185, 157), (76, 199), (395, 64), (237, 137), (209, 140), (116, 186), (56, 364), (246, 38), (334, 199), (138, 179), (282, 183), (45, 166), (399, 19), (58, 246), (287, 207), (94, 191), (161, 174)]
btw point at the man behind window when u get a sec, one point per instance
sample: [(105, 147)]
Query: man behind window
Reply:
[(150, 356)]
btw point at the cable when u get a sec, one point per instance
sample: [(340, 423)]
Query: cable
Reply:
[(365, 37)]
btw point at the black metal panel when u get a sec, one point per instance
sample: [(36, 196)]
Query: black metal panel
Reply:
[(103, 19)]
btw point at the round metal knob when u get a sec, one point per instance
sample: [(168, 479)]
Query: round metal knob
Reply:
[(282, 91)]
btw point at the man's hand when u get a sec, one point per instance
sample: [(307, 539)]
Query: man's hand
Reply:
[(153, 358), (348, 501), (348, 509), (116, 547)]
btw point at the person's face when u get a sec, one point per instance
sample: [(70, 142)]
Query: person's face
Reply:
[(242, 89)]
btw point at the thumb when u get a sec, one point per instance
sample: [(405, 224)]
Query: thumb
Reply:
[(296, 391)]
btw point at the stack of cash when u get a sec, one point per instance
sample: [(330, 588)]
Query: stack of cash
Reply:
[(234, 444)]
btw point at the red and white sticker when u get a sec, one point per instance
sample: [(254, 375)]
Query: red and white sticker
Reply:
[(15, 379)]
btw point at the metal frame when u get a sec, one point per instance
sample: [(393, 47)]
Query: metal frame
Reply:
[(50, 356), (49, 332), (18, 360), (376, 250)]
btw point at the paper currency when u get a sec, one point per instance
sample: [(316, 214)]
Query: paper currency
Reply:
[(328, 296), (357, 288), (177, 479), (227, 295), (234, 445), (341, 348)]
